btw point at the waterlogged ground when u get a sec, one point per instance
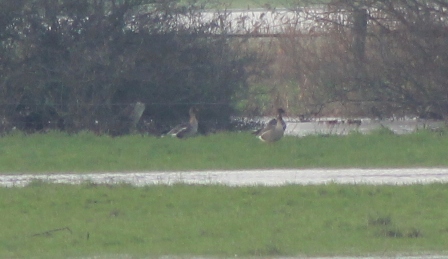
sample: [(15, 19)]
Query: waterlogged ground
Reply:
[(342, 126), (273, 177), (423, 256)]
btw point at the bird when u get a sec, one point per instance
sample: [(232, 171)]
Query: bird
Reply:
[(274, 130), (187, 129)]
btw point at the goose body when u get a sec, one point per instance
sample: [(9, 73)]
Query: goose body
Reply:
[(274, 129), (188, 129)]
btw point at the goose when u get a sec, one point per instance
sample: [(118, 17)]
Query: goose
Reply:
[(188, 129), (274, 130)]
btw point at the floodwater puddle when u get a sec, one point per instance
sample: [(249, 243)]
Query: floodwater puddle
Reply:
[(273, 177)]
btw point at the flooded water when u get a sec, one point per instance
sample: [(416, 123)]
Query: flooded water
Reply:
[(274, 177), (374, 257), (422, 256), (340, 126)]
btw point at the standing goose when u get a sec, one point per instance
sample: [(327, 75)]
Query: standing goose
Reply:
[(274, 130), (188, 129)]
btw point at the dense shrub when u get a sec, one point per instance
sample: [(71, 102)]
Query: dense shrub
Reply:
[(76, 65)]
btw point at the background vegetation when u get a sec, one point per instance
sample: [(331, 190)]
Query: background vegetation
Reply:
[(77, 65), (361, 58)]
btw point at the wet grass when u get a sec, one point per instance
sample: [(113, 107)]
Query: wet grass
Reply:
[(85, 152), (60, 221)]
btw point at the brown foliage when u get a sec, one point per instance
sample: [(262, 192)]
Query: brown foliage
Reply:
[(374, 58)]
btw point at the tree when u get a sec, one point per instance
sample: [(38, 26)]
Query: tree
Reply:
[(375, 57), (78, 64)]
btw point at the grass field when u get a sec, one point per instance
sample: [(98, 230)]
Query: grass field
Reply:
[(85, 152), (104, 221), (61, 221)]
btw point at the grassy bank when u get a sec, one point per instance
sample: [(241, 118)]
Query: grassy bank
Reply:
[(60, 152), (60, 221)]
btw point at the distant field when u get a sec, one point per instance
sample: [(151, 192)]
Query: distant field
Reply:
[(268, 3), (258, 4), (86, 152), (101, 221)]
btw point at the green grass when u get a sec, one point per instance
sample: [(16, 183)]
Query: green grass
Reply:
[(85, 152), (60, 221)]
